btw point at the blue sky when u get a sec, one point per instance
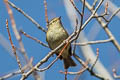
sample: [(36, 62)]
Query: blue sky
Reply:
[(109, 55)]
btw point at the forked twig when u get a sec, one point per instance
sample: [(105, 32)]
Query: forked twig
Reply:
[(113, 16), (104, 26), (89, 69), (104, 14)]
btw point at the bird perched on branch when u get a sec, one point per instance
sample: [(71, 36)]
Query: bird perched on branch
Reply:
[(55, 35)]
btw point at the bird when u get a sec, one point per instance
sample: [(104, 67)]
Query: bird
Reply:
[(55, 35)]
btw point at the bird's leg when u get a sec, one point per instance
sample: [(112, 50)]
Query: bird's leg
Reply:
[(65, 74)]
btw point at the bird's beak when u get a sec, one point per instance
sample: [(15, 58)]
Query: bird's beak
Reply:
[(60, 17)]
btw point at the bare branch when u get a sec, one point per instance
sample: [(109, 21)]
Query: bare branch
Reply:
[(106, 8), (71, 38), (105, 27), (89, 19), (27, 16), (113, 15), (35, 39), (83, 10), (13, 49), (47, 57), (76, 27), (104, 14), (75, 7), (97, 51), (77, 73), (18, 37), (46, 16), (92, 15), (93, 42), (89, 69), (82, 14)]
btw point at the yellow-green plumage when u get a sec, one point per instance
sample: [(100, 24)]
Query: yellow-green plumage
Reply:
[(55, 35)]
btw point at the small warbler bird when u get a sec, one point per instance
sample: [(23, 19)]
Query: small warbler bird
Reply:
[(55, 35)]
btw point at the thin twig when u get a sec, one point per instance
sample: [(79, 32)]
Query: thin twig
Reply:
[(13, 48), (104, 14), (82, 14), (75, 7), (106, 8), (97, 51), (35, 39), (113, 16), (83, 10), (46, 16), (27, 16), (93, 42), (77, 73), (76, 27), (81, 24)]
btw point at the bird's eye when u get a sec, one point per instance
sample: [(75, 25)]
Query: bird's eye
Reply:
[(54, 21)]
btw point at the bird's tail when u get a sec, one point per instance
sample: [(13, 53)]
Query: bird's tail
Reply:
[(68, 62)]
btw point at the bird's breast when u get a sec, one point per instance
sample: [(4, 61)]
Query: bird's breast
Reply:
[(55, 37)]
